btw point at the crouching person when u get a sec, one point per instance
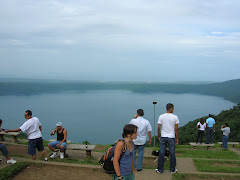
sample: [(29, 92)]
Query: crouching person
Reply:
[(61, 142), (123, 164)]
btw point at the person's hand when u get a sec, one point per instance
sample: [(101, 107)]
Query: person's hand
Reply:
[(176, 141), (52, 133), (159, 139), (150, 141), (57, 145), (136, 116)]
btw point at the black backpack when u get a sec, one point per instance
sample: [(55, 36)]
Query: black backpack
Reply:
[(107, 159)]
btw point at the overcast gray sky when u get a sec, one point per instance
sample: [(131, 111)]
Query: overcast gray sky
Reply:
[(134, 40)]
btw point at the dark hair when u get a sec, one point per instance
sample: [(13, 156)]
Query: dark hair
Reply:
[(201, 121), (140, 112), (129, 129), (169, 106), (209, 115), (0, 121), (226, 124), (29, 113)]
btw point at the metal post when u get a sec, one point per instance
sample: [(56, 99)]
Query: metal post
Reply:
[(154, 102)]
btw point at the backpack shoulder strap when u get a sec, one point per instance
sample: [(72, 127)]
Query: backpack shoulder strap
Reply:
[(124, 146)]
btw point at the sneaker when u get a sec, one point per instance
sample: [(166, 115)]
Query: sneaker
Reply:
[(11, 161), (46, 159), (61, 155), (173, 172), (139, 169), (157, 171), (54, 154)]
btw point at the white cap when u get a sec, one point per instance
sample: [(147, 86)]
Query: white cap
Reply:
[(59, 124)]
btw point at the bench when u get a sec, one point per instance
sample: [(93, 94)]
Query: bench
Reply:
[(203, 144), (88, 149), (14, 134), (230, 143)]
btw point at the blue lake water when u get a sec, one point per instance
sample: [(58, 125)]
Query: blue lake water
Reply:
[(99, 116)]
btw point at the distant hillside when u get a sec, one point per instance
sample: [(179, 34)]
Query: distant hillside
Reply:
[(228, 90), (188, 132)]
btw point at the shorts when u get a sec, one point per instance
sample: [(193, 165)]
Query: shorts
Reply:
[(54, 143), (33, 144)]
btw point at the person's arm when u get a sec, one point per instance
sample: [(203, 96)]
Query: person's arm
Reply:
[(150, 137), (40, 128), (13, 130), (117, 153), (176, 133), (159, 132), (133, 171), (53, 132)]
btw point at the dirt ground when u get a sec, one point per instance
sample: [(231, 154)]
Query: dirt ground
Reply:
[(61, 173), (20, 150)]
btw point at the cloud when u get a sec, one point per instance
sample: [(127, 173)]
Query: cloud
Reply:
[(155, 32)]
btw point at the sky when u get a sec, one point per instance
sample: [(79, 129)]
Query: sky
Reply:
[(120, 40)]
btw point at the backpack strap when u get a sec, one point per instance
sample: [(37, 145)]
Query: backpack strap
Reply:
[(124, 148)]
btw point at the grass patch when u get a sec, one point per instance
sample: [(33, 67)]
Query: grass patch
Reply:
[(90, 160), (20, 155), (180, 176), (221, 154), (12, 170), (217, 166)]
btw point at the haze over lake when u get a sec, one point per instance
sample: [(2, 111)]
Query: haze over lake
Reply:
[(99, 116)]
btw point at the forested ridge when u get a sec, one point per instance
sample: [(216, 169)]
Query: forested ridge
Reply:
[(228, 89)]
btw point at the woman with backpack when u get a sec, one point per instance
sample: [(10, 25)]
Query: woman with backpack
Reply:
[(123, 154), (201, 126)]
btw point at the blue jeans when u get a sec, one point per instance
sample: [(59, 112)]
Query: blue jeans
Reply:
[(55, 143), (140, 149), (210, 135), (3, 149), (171, 145), (225, 141)]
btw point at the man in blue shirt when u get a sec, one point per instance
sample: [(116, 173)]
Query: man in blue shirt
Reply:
[(210, 128)]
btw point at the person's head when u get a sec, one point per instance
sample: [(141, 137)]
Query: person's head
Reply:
[(226, 124), (209, 115), (59, 125), (140, 112), (201, 121), (0, 122), (170, 107), (28, 114), (130, 130)]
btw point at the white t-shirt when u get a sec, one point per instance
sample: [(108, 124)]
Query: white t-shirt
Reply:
[(31, 127), (202, 126), (143, 127), (168, 121)]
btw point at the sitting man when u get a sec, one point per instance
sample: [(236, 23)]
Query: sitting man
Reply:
[(61, 142), (4, 149)]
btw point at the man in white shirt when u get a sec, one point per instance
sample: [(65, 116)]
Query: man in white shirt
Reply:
[(33, 129), (167, 135), (144, 128)]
